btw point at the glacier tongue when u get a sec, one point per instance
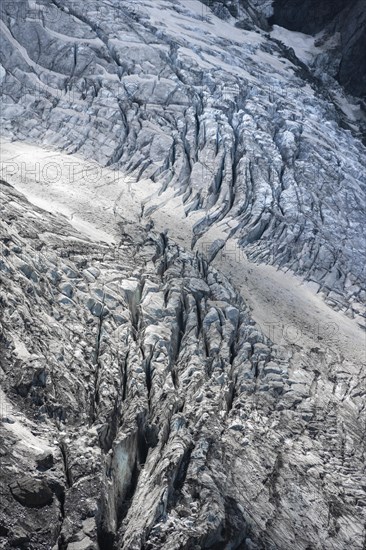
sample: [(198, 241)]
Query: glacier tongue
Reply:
[(183, 289)]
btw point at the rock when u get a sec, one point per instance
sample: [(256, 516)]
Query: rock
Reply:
[(45, 461), (31, 492), (332, 17), (84, 544), (3, 530), (19, 537), (307, 16)]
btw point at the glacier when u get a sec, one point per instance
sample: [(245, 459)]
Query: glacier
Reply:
[(183, 283)]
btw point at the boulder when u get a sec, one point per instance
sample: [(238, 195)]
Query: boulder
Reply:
[(31, 492)]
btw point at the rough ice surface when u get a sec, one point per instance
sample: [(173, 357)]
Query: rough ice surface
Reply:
[(179, 187), (170, 92)]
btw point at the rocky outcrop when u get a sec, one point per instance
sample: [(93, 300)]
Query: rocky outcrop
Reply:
[(347, 20), (31, 492), (351, 24), (308, 16)]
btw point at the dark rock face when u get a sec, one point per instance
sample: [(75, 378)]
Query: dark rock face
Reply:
[(20, 538), (31, 492), (346, 18), (308, 16), (45, 461), (352, 70)]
